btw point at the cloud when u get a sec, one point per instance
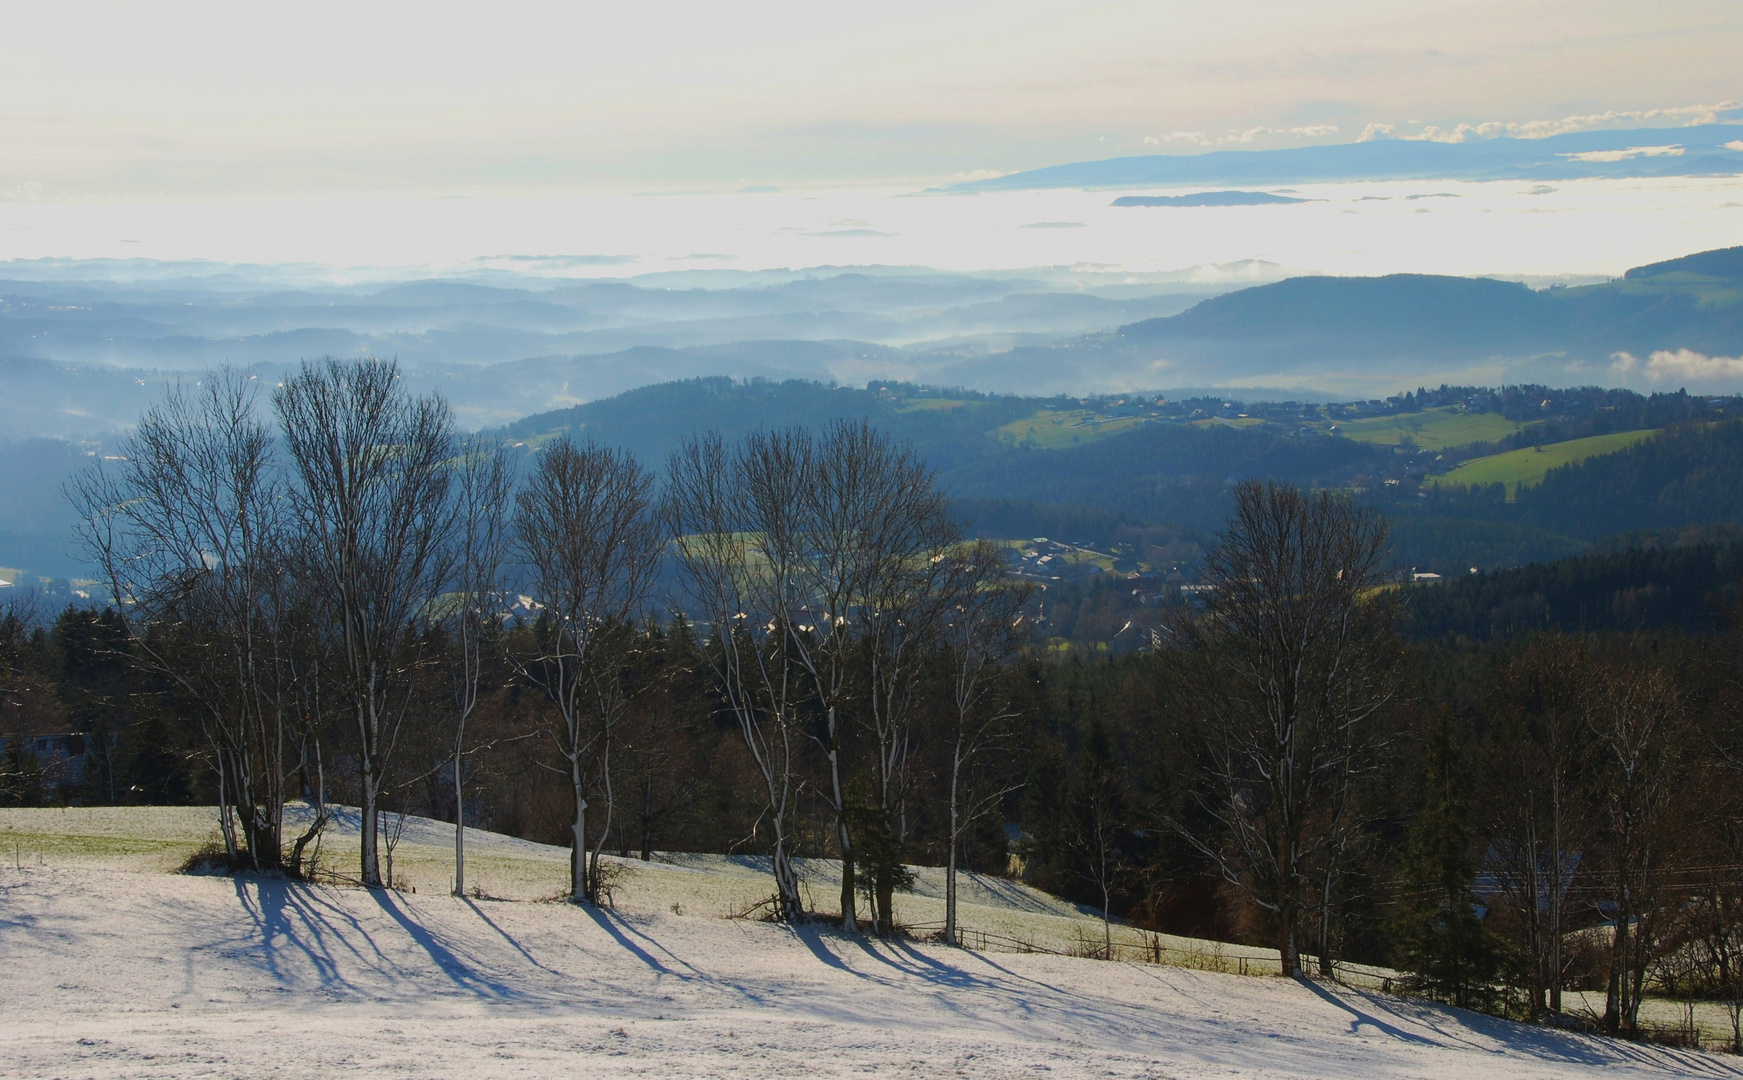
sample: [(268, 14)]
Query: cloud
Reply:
[(1734, 144), (1683, 364), (1624, 155), (1687, 115)]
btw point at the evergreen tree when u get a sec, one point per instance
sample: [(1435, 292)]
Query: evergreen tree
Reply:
[(1438, 934), (877, 853), (21, 776), (1045, 851)]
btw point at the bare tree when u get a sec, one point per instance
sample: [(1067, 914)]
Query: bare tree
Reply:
[(586, 530), (189, 533), (1282, 674), (738, 533), (982, 630), (1633, 712), (1534, 820), (871, 530), (486, 480), (373, 512), (906, 543)]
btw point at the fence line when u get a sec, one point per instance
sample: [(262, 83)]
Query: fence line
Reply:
[(1152, 949)]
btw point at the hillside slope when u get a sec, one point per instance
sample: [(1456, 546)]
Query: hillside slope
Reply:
[(1695, 303), (119, 973)]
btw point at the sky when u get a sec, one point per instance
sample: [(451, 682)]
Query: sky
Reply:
[(130, 102)]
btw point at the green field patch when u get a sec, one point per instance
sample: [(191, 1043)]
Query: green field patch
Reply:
[(1089, 558), (1528, 467), (930, 404), (1053, 429), (17, 845), (1430, 429), (1229, 421)]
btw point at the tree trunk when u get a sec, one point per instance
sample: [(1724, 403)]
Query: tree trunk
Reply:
[(226, 824), (593, 891), (950, 859), (1286, 952), (1617, 985), (647, 818), (790, 908), (1530, 881), (369, 827), (1556, 889), (1325, 962), (459, 818), (578, 849), (849, 912), (264, 840), (1107, 926)]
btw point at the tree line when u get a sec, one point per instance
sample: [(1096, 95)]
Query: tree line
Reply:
[(330, 584), (784, 645)]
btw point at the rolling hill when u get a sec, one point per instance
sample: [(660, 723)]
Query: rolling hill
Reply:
[(1371, 325), (1516, 469)]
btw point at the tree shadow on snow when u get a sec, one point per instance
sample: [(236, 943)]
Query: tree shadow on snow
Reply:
[(462, 974), (509, 938), (297, 917), (1445, 1023)]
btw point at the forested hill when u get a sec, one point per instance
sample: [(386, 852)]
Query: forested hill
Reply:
[(947, 429), (1687, 474), (1370, 316), (1029, 466), (1695, 303), (1692, 587)]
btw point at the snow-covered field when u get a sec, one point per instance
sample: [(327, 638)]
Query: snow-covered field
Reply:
[(109, 966)]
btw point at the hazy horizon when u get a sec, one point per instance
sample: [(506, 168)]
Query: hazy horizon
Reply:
[(1582, 228)]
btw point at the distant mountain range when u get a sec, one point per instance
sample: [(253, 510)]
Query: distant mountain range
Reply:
[(1209, 198), (81, 359), (1705, 150), (1659, 325)]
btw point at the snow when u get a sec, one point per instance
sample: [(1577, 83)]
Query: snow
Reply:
[(111, 967)]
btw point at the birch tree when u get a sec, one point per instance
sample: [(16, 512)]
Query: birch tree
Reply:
[(873, 528), (981, 631), (189, 534), (586, 530), (907, 542), (735, 515), (373, 509), (485, 481)]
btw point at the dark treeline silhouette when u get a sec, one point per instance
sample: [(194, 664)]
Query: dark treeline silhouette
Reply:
[(1689, 583), (784, 646)]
